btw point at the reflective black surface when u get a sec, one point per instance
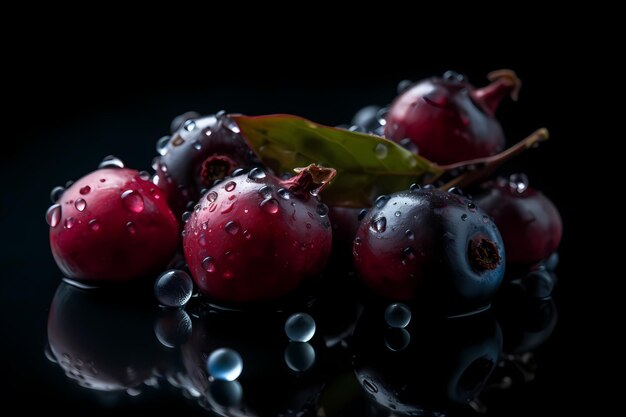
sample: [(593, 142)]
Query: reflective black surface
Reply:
[(122, 351)]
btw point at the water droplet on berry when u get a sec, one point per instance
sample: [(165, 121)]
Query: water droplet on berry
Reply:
[(463, 216), (381, 201), (208, 264), (130, 226), (70, 222), (80, 204), (397, 214), (230, 185), (284, 194), (397, 315), (133, 201), (211, 196), (455, 190), (404, 85), (300, 327), (225, 364), (173, 288), (230, 124), (322, 209), (111, 162), (357, 241), (228, 205), (85, 190), (270, 205), (94, 225), (415, 187), (408, 255), (232, 227), (257, 174), (197, 145), (266, 191), (379, 224), (471, 207), (518, 183), (362, 214), (381, 115), (247, 234), (161, 145), (186, 216), (56, 193), (299, 356), (409, 234), (53, 215), (189, 125), (381, 151)]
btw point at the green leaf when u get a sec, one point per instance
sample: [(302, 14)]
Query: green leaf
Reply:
[(367, 165)]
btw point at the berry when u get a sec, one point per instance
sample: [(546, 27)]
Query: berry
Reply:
[(254, 237), (112, 225), (430, 242), (529, 222), (200, 151), (449, 120)]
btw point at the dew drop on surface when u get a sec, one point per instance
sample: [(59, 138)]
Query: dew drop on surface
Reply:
[(381, 115), (70, 222), (455, 190), (463, 216), (53, 215), (133, 201), (94, 225), (247, 234), (211, 196), (80, 204), (357, 241), (257, 174), (130, 226), (186, 216), (409, 234), (173, 288), (397, 315), (228, 205), (415, 187), (378, 225), (299, 356), (270, 205), (56, 193), (230, 124), (397, 339), (225, 394), (266, 191), (208, 264), (225, 364), (144, 175), (322, 209), (111, 162), (161, 145), (197, 145), (230, 186), (283, 193), (471, 207), (232, 227), (408, 255), (362, 214), (300, 327), (189, 125), (397, 214), (381, 201), (85, 190), (381, 151), (518, 183)]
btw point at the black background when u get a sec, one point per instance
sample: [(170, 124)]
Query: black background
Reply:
[(69, 115)]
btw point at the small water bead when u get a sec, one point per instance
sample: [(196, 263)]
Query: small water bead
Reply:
[(237, 172), (230, 124), (232, 227), (257, 174), (518, 182), (173, 288), (161, 145), (415, 187), (186, 216), (408, 255), (173, 328), (85, 190), (133, 201), (300, 327), (270, 205), (266, 191), (463, 216), (70, 222), (397, 339), (53, 215), (471, 206), (362, 214), (130, 226), (381, 115), (322, 209), (211, 196), (144, 175), (208, 264), (397, 214), (299, 356), (224, 394), (397, 315), (225, 364), (409, 234), (378, 225), (381, 151), (381, 201), (283, 193), (80, 204), (94, 225), (189, 125), (230, 186), (111, 162), (69, 183), (455, 190)]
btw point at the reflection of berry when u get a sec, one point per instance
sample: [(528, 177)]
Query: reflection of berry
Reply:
[(529, 222), (112, 225), (426, 240), (448, 119), (254, 237)]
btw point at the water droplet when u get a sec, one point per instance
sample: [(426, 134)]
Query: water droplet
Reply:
[(485, 219), (299, 356), (56, 193), (381, 115), (211, 196), (257, 174), (161, 145), (397, 315), (381, 201), (408, 255), (173, 288), (266, 191), (230, 185), (53, 215), (94, 225), (133, 201), (208, 264), (247, 234), (322, 209), (80, 204), (225, 364), (270, 205), (173, 327), (455, 190), (300, 327), (409, 234), (111, 162), (228, 205), (471, 206), (463, 216), (283, 193), (397, 214), (85, 190), (189, 125), (186, 216), (232, 227), (518, 183), (370, 386), (230, 124), (69, 183), (130, 226), (362, 214), (415, 187), (163, 168), (225, 394), (404, 85), (397, 339), (381, 151), (357, 241), (379, 224), (70, 222)]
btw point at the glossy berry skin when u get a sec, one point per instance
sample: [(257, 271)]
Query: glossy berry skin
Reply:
[(112, 225), (251, 239), (433, 244), (199, 151), (530, 223), (448, 120)]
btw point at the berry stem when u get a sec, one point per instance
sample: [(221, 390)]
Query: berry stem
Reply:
[(477, 169), (309, 180), (503, 82)]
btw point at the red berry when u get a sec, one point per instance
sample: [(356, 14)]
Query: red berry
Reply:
[(112, 225), (254, 237), (449, 120), (530, 223)]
